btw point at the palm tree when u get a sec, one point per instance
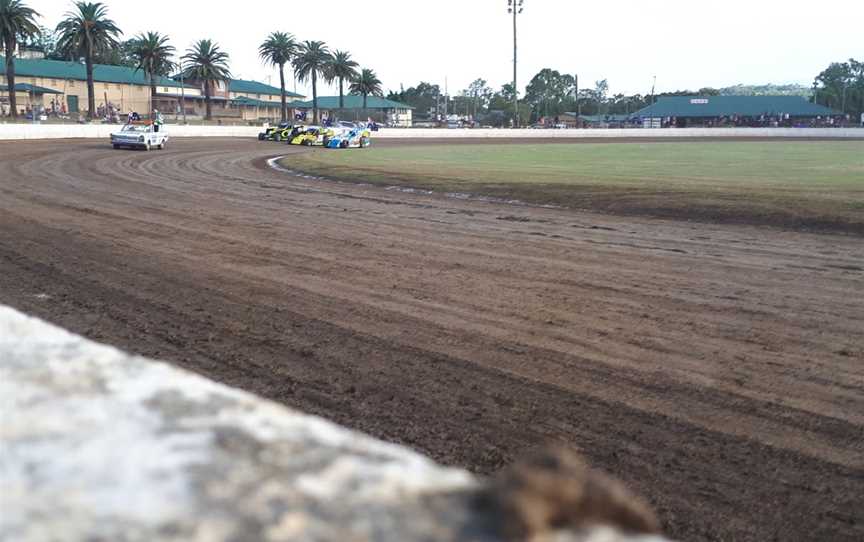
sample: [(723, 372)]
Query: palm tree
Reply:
[(278, 49), (206, 64), (86, 31), (17, 21), (313, 59), (152, 55), (342, 68), (367, 83)]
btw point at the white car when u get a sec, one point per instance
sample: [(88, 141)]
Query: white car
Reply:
[(140, 136)]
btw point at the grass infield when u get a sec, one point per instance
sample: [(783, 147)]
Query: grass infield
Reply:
[(800, 184)]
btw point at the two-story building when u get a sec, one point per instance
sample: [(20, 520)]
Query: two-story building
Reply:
[(59, 88)]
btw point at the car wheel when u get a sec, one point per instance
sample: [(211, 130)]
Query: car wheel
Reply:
[(278, 137), (116, 146), (364, 142), (162, 145), (147, 146), (343, 145)]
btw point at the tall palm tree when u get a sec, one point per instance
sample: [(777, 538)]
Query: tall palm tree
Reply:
[(367, 83), (342, 68), (206, 64), (86, 31), (152, 55), (312, 60), (278, 49), (17, 22)]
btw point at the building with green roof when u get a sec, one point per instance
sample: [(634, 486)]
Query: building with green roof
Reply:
[(734, 110), (120, 89), (386, 111), (244, 87)]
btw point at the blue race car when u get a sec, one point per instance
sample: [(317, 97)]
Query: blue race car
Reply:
[(350, 136)]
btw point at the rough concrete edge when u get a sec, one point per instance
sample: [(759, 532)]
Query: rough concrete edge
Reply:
[(98, 444), (97, 440)]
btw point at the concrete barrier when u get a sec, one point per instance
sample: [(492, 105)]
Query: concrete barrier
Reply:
[(65, 131), (613, 133), (101, 445), (79, 131)]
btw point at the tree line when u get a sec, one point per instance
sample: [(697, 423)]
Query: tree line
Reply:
[(551, 93), (86, 32)]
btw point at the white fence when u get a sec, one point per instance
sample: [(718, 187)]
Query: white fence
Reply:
[(65, 131)]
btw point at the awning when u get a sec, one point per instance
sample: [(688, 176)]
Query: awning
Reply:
[(28, 88), (252, 102)]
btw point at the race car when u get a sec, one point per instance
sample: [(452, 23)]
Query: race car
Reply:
[(312, 135), (350, 137), (140, 135), (278, 133)]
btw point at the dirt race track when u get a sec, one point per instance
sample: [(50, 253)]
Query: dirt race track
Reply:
[(719, 370)]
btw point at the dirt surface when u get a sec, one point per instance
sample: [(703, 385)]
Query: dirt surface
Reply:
[(717, 370)]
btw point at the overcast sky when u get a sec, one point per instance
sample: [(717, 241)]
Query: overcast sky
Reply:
[(686, 44)]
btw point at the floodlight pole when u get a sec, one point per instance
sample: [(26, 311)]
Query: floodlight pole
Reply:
[(576, 95), (515, 8), (653, 87)]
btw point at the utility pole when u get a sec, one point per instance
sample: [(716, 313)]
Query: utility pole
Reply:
[(515, 8)]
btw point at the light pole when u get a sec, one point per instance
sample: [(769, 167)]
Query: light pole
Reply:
[(515, 8), (653, 87), (843, 103), (576, 95)]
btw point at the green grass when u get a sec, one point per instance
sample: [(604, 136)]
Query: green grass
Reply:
[(793, 183)]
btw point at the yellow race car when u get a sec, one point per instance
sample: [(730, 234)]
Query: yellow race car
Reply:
[(312, 136)]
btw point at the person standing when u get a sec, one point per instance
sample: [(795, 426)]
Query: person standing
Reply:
[(158, 120)]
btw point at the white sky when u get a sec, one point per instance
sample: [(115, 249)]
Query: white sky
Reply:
[(686, 44)]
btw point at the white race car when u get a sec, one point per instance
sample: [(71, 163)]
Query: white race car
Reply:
[(140, 135)]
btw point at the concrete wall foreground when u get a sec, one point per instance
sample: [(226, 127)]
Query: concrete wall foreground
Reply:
[(101, 445), (63, 131)]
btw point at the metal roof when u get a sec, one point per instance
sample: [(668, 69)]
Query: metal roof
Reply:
[(27, 87), (728, 106), (256, 87), (604, 118), (243, 100), (103, 73), (352, 102)]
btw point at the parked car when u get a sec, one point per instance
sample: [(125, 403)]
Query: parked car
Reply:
[(140, 135)]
